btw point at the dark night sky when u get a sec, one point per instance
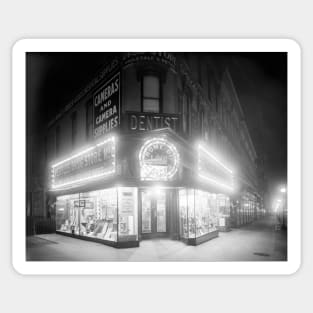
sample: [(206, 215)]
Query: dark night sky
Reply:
[(261, 83), (260, 79)]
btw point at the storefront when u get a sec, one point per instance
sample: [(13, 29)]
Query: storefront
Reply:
[(246, 208), (107, 215), (129, 188)]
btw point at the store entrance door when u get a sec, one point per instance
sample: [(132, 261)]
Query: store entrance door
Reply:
[(153, 213)]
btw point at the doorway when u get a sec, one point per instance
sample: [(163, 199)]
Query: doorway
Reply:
[(154, 215)]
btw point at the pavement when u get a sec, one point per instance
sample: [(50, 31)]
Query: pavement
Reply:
[(262, 240)]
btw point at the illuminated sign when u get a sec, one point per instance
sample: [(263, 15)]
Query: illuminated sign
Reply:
[(106, 107), (150, 121), (212, 170), (158, 159), (93, 163)]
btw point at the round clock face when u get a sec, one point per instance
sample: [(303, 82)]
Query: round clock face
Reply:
[(158, 159)]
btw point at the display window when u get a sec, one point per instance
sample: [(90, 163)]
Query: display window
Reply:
[(198, 213), (108, 214), (183, 213), (213, 212), (99, 214), (223, 206), (127, 214), (67, 214), (202, 210), (187, 213), (206, 212), (191, 213)]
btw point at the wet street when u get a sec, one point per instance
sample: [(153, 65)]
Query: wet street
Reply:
[(262, 240)]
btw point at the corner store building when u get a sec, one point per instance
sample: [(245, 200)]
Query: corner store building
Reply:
[(145, 150)]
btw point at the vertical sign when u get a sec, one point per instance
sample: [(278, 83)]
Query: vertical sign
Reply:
[(106, 107)]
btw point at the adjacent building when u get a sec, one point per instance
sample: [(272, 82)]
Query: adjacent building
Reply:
[(156, 145)]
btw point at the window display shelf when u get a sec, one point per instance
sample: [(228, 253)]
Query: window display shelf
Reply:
[(107, 216), (122, 243), (198, 240)]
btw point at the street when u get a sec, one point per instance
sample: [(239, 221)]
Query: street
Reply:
[(258, 241)]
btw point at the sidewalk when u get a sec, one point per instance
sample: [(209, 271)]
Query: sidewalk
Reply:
[(258, 241)]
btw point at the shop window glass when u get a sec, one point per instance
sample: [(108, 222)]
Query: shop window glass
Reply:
[(127, 213), (191, 213), (223, 206), (95, 214), (202, 211), (91, 214), (67, 214), (183, 213), (101, 215), (151, 94), (213, 217), (206, 212), (198, 213), (146, 226)]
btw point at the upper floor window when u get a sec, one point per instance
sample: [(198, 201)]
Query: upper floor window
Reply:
[(151, 94)]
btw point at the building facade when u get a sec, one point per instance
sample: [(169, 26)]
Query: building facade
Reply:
[(156, 145)]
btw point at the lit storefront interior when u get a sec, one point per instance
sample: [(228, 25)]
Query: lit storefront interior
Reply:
[(109, 215), (169, 194), (147, 166)]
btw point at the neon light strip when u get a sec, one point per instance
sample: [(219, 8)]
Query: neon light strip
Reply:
[(215, 159), (83, 152), (83, 179), (216, 182)]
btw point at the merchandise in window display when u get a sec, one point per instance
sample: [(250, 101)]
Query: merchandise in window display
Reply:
[(105, 227), (213, 212), (94, 214), (67, 214), (146, 213), (127, 200), (87, 217), (199, 208), (202, 212), (183, 213)]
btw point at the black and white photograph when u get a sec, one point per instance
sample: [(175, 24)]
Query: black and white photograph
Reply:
[(156, 156)]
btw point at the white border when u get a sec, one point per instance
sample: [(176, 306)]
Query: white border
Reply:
[(133, 45)]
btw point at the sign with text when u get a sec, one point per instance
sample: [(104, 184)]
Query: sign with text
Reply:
[(93, 163), (106, 107), (159, 160), (150, 121)]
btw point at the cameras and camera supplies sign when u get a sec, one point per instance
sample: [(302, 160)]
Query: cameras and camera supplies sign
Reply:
[(106, 107)]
